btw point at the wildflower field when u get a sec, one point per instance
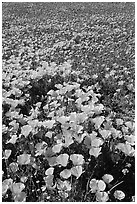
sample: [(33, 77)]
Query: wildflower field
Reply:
[(68, 109)]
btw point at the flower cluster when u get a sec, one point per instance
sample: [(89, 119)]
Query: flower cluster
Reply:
[(68, 102)]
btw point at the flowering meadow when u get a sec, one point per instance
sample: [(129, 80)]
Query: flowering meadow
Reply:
[(68, 102)]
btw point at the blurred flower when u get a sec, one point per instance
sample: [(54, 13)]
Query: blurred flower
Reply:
[(13, 167), (118, 194)]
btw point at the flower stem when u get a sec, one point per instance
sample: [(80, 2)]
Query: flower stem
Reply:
[(89, 181), (115, 186)]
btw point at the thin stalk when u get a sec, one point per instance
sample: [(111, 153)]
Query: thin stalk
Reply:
[(115, 186), (89, 181)]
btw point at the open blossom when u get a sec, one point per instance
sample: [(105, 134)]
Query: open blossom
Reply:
[(120, 195)]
